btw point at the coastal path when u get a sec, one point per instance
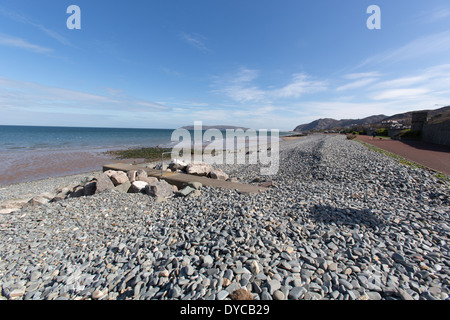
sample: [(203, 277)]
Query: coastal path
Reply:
[(435, 157)]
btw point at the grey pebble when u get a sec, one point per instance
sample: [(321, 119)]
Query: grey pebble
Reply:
[(222, 295), (297, 293), (278, 295), (273, 285)]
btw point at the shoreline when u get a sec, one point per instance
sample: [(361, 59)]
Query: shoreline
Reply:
[(43, 165)]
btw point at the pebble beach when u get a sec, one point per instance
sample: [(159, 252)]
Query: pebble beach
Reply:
[(341, 222)]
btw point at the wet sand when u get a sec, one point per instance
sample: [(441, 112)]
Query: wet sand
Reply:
[(29, 166)]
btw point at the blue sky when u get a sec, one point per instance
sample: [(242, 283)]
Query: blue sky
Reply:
[(255, 63)]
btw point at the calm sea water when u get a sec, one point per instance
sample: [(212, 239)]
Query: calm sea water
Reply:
[(31, 138)]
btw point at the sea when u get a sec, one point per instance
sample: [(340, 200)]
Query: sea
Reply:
[(40, 138)]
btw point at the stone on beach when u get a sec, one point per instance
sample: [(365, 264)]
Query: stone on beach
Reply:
[(241, 294), (141, 175), (159, 189), (119, 177), (199, 169), (124, 187), (109, 173), (11, 206), (77, 192), (177, 164), (41, 199), (90, 188), (131, 174), (138, 186), (218, 174), (148, 179), (103, 183), (185, 191)]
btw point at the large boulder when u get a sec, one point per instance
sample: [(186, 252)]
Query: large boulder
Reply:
[(90, 187), (138, 186), (109, 173), (131, 175), (141, 175), (11, 206), (218, 174), (176, 164), (199, 169), (160, 189), (103, 183), (41, 199), (149, 179), (124, 187), (119, 177), (63, 193), (77, 192)]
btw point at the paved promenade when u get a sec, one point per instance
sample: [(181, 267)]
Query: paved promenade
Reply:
[(430, 155)]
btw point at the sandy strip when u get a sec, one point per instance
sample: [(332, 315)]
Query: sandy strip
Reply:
[(30, 166)]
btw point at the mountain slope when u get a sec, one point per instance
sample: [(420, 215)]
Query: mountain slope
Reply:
[(329, 124)]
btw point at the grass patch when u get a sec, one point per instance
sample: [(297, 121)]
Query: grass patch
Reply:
[(442, 177), (409, 134), (149, 154), (382, 132)]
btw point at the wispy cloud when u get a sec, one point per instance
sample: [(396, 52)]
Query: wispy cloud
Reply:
[(300, 84), (427, 46), (241, 88), (360, 80), (410, 93), (171, 72), (21, 95), (195, 40), (434, 15), (427, 84), (11, 41), (355, 76), (23, 19), (243, 94)]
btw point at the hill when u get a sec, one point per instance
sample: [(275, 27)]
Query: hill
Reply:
[(329, 124), (436, 115)]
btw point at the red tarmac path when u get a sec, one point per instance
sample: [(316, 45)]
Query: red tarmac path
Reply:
[(433, 156)]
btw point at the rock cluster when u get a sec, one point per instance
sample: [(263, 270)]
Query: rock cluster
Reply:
[(341, 222), (134, 181), (199, 169)]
